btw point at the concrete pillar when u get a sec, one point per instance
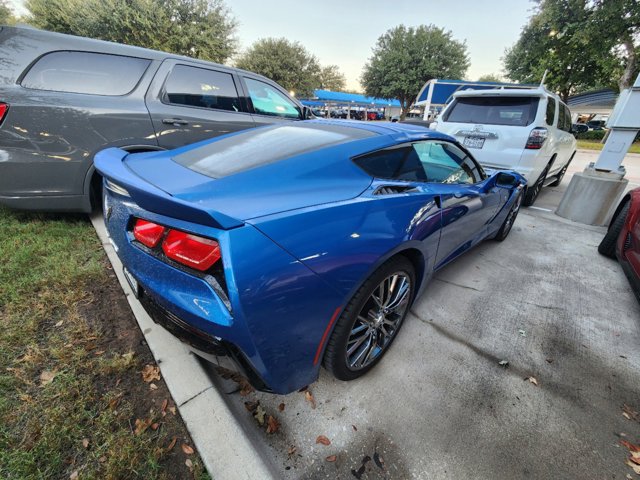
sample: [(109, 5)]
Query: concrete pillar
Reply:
[(592, 196)]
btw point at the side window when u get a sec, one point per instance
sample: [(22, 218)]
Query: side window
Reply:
[(430, 161), (443, 162), (567, 118), (564, 120), (551, 111), (86, 72), (269, 101), (200, 87)]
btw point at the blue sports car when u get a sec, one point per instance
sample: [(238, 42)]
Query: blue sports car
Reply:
[(293, 246)]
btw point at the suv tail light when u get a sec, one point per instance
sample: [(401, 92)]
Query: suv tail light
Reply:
[(3, 111), (536, 138), (191, 250)]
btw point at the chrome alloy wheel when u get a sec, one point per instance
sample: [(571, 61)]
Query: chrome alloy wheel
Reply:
[(378, 321), (513, 213)]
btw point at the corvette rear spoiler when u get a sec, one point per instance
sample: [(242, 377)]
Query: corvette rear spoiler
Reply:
[(119, 178)]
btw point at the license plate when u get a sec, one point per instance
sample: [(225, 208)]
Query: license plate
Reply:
[(473, 142), (133, 283)]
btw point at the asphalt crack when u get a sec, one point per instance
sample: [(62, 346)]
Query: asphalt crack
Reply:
[(457, 284)]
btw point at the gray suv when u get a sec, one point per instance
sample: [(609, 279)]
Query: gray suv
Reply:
[(63, 98)]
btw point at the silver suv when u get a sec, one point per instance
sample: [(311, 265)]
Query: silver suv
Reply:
[(63, 98)]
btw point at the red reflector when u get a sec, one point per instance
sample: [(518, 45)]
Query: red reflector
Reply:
[(3, 110), (191, 250), (148, 233)]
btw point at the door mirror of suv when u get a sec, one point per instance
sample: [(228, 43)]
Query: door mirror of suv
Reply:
[(506, 180), (307, 113)]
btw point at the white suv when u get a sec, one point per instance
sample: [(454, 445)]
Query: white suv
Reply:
[(526, 130)]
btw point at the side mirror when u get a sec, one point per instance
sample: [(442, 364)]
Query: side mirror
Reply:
[(507, 180)]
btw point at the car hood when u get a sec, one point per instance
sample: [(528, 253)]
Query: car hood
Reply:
[(294, 183)]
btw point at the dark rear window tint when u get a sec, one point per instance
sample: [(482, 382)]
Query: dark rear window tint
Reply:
[(518, 111), (200, 87), (258, 147), (85, 72)]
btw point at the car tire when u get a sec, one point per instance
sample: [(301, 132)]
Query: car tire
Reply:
[(560, 175), (534, 190), (506, 226), (369, 340), (607, 246)]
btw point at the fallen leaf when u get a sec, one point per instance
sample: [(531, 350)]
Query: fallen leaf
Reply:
[(259, 414), (172, 444), (308, 396), (163, 410), (323, 440), (172, 409), (272, 424), (46, 377), (102, 459), (246, 388), (379, 460), (626, 415), (155, 426), (331, 458), (74, 475), (631, 414), (150, 373), (504, 363), (630, 446), (85, 442), (59, 324), (358, 473), (187, 449), (354, 428), (251, 406), (97, 353), (281, 407), (113, 403), (189, 463), (636, 468), (532, 380), (153, 386), (141, 426), (635, 459), (292, 450)]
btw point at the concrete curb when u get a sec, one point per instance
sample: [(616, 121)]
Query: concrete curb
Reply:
[(224, 446)]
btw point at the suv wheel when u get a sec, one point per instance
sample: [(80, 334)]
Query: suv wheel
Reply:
[(534, 190), (607, 246), (560, 175)]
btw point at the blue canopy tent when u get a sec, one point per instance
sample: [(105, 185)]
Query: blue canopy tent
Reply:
[(350, 101)]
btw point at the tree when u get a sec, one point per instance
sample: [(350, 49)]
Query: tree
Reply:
[(198, 28), (330, 78), (404, 58), (617, 24), (491, 77), (6, 14), (285, 62), (583, 44)]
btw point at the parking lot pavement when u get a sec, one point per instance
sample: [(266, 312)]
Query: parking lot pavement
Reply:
[(440, 406)]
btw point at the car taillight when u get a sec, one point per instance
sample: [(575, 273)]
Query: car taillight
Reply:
[(191, 250), (148, 233), (3, 110), (536, 138)]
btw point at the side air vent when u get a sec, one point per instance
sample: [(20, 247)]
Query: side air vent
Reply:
[(393, 189)]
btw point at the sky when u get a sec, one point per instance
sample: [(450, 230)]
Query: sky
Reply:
[(343, 32)]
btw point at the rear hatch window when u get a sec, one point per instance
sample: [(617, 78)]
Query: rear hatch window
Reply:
[(515, 111), (262, 146)]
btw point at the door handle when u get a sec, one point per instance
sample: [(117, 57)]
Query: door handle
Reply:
[(174, 121)]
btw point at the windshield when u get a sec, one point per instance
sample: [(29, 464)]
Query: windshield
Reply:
[(517, 111)]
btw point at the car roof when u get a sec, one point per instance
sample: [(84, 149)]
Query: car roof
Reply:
[(55, 41), (507, 92), (395, 129)]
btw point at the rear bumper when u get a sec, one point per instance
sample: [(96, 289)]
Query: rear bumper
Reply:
[(213, 349)]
